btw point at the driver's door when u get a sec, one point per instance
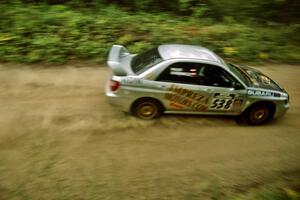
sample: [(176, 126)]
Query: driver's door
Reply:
[(227, 95)]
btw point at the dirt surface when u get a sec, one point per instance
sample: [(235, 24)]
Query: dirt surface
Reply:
[(59, 139)]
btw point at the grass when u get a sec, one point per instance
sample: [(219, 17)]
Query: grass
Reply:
[(58, 33)]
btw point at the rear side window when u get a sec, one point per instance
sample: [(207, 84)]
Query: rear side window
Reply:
[(185, 73), (144, 61)]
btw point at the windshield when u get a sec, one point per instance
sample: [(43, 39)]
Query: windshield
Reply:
[(254, 78), (145, 61), (239, 73), (260, 80)]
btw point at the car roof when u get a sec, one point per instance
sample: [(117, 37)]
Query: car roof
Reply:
[(173, 51)]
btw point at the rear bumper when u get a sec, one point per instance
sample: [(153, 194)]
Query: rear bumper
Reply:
[(117, 101)]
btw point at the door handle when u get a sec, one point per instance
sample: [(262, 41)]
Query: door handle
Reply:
[(162, 86)]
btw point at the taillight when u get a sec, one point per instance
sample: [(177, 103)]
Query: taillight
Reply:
[(114, 85)]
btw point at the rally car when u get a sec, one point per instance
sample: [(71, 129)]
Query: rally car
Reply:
[(188, 79)]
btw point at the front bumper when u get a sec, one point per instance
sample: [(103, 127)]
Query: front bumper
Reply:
[(281, 109)]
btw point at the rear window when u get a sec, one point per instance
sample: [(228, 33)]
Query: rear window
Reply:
[(144, 61)]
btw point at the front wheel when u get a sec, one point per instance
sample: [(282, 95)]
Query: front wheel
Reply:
[(147, 109), (258, 115)]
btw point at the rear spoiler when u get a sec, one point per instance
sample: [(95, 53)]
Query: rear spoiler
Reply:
[(116, 54)]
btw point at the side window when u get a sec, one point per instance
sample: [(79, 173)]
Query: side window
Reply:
[(197, 74), (216, 76), (186, 73)]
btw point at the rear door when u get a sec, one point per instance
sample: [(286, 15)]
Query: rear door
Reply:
[(182, 89)]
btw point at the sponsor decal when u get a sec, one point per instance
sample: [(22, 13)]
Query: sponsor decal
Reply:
[(185, 97), (222, 101), (262, 93), (176, 105), (189, 94), (238, 102)]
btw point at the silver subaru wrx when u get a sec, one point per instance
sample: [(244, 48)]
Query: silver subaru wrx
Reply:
[(190, 80)]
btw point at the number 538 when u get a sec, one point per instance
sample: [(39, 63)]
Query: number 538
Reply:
[(221, 104)]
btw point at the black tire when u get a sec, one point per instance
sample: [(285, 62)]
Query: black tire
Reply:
[(147, 108), (258, 114)]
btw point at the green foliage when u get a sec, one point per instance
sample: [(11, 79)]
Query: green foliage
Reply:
[(57, 33), (269, 10)]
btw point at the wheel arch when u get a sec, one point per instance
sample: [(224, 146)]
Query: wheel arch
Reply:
[(271, 105)]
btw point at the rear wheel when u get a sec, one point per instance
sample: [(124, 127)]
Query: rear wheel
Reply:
[(147, 109)]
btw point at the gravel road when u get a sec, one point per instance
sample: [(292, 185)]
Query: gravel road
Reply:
[(59, 139)]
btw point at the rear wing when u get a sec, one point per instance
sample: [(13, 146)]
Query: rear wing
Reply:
[(116, 54)]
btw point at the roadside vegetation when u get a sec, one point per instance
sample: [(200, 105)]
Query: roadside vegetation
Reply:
[(60, 31)]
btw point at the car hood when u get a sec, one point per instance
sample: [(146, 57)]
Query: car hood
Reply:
[(260, 80)]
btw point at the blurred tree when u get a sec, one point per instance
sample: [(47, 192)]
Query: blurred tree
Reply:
[(286, 11)]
